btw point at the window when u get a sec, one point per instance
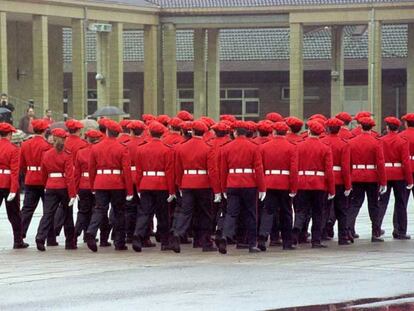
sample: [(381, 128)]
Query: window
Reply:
[(356, 98), (310, 93), (185, 100)]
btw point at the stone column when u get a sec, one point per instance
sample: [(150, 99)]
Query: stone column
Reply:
[(116, 66), (150, 69), (296, 70), (170, 69), (375, 71), (102, 67), (55, 71), (410, 69), (79, 83), (337, 70), (40, 63), (4, 81), (213, 74), (200, 93)]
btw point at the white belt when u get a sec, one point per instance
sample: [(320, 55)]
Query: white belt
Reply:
[(153, 173), (5, 172), (364, 167), (86, 174), (108, 172), (133, 168), (337, 168), (33, 168), (56, 175), (311, 173), (241, 171), (277, 172), (195, 172), (393, 165)]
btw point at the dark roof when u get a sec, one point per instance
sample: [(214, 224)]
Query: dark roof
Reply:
[(260, 44)]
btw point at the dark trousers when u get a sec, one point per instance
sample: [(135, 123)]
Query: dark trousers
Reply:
[(54, 198), (131, 209), (100, 214), (221, 213), (13, 213), (32, 196), (153, 201), (311, 202), (305, 214), (359, 189), (277, 203), (339, 206), (241, 201), (85, 205), (401, 195), (196, 204)]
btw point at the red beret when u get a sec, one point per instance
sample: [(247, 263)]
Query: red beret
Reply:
[(103, 121), (333, 122), (124, 123), (6, 128), (186, 125), (185, 115), (175, 122), (163, 119), (208, 121), (199, 125), (280, 127), (93, 134), (148, 117), (317, 116), (319, 120), (293, 121), (344, 116), (265, 126), (137, 125), (366, 121), (221, 126), (274, 117), (315, 127), (408, 117), (228, 117), (156, 127), (58, 132), (73, 124), (113, 126), (362, 114), (393, 121), (241, 124), (40, 125), (251, 126)]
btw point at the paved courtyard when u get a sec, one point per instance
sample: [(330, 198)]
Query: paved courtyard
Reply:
[(81, 280)]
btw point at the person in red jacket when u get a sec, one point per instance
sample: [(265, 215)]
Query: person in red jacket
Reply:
[(358, 130), (408, 134), (173, 136), (197, 178), (57, 175), (315, 181), (264, 128), (280, 165), (368, 177), (295, 126), (338, 207), (242, 179), (9, 182), (124, 136), (155, 185), (110, 178), (399, 177), (30, 158), (345, 132)]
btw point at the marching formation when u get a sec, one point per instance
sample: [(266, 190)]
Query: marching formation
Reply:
[(231, 182)]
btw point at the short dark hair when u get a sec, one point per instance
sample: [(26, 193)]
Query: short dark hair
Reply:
[(198, 133), (4, 134), (334, 129), (346, 122), (366, 127), (393, 127), (175, 128), (156, 134), (72, 131), (38, 131), (295, 128), (264, 133), (112, 133), (93, 140), (220, 133), (314, 133), (137, 132), (410, 123), (242, 131), (281, 133), (102, 128)]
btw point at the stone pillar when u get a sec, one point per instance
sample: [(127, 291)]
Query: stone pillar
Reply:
[(170, 69), (296, 70), (200, 94), (102, 67), (213, 74), (78, 104), (410, 69), (375, 71), (150, 69), (40, 63), (55, 71), (4, 85), (116, 66), (337, 70)]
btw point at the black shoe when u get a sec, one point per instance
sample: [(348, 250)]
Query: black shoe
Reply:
[(382, 232), (137, 244), (318, 245), (289, 248), (175, 244), (222, 246), (242, 246), (20, 245), (209, 248), (91, 243), (254, 249), (355, 235), (40, 245), (52, 243), (262, 245), (121, 248), (71, 246), (344, 242), (105, 244), (376, 239), (402, 237), (330, 230), (148, 243)]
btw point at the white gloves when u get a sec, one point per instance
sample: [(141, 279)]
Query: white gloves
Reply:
[(217, 197), (139, 195), (77, 197), (347, 192), (331, 196), (225, 195), (409, 187), (292, 194), (262, 196), (129, 198), (72, 201), (382, 190), (171, 198), (11, 196), (181, 193)]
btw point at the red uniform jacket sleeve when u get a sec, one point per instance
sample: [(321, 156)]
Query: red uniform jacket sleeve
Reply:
[(329, 172), (294, 164), (70, 182), (258, 167), (126, 169), (77, 173), (43, 170), (407, 163), (22, 163), (224, 168), (14, 168), (92, 169), (346, 166), (213, 173), (382, 177), (169, 171), (139, 170), (178, 169)]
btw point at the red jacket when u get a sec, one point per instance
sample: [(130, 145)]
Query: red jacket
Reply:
[(172, 138), (367, 152), (73, 144), (280, 164), (408, 134), (54, 162), (345, 133), (358, 131), (341, 157), (123, 138), (315, 166), (241, 165), (216, 143), (155, 166), (9, 166), (30, 159), (82, 169), (110, 166), (295, 138), (397, 157), (261, 139), (133, 143), (195, 166), (208, 135)]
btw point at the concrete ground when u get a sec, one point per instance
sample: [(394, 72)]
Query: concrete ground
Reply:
[(154, 280)]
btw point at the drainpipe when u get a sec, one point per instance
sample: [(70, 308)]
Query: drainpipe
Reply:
[(85, 32)]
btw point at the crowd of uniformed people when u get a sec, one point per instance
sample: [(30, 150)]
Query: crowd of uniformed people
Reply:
[(221, 183)]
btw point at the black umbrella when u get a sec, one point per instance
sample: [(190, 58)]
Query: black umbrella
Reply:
[(4, 110), (108, 111), (58, 125), (5, 115)]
